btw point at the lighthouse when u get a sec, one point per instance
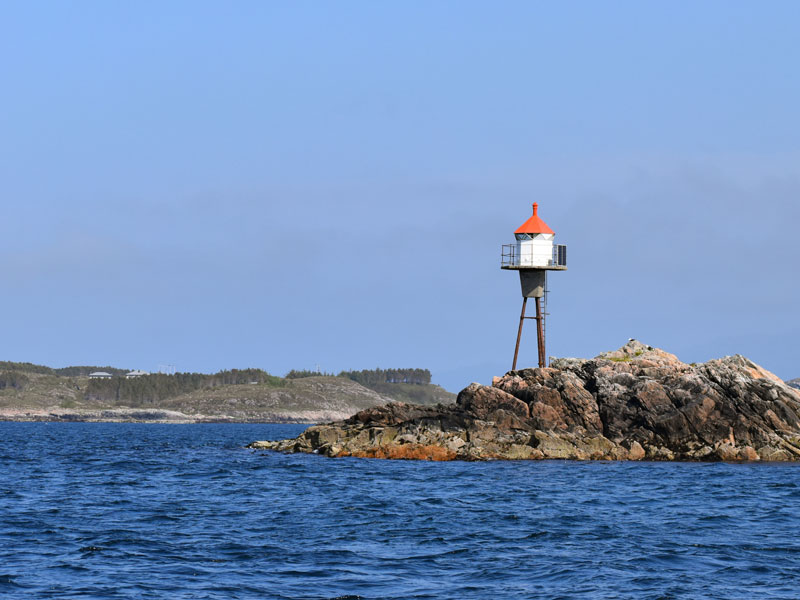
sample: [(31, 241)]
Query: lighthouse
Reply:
[(534, 254)]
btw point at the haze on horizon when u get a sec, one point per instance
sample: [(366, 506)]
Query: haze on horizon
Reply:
[(293, 185)]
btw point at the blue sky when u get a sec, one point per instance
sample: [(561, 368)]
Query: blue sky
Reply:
[(285, 185)]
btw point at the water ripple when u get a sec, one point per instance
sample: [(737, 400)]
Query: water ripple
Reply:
[(184, 511)]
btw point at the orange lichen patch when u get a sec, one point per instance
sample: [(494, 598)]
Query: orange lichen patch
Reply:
[(758, 372), (404, 452)]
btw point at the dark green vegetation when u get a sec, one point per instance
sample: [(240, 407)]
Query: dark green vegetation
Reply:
[(373, 377), (303, 373), (157, 387), (65, 372), (34, 391), (13, 379), (370, 377)]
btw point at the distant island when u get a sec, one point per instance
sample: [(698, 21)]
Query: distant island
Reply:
[(30, 392), (635, 403)]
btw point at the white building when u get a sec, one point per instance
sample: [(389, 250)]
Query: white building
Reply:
[(100, 375), (136, 373)]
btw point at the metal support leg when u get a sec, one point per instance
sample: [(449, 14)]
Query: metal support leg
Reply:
[(519, 333), (540, 333)]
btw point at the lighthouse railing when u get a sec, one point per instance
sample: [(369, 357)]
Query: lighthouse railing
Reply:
[(510, 256)]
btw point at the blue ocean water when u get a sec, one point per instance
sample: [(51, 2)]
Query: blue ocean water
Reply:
[(184, 511)]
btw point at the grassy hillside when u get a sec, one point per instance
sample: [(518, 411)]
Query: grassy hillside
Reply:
[(404, 385), (311, 400), (238, 395)]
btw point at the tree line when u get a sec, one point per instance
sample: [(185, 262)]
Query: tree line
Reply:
[(370, 377), (153, 388), (301, 373), (364, 377), (83, 371)]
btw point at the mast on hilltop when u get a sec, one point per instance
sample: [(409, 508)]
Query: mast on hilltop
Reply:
[(533, 255)]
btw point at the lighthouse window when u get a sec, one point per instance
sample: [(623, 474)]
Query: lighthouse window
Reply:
[(523, 236)]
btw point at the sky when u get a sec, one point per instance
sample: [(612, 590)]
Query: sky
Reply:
[(306, 185)]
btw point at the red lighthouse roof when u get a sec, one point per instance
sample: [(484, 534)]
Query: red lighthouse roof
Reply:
[(534, 224)]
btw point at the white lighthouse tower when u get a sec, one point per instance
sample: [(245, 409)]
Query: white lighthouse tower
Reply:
[(533, 255)]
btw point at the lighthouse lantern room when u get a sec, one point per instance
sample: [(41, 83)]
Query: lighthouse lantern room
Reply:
[(534, 241), (533, 255)]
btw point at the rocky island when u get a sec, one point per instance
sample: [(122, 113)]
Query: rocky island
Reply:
[(636, 403)]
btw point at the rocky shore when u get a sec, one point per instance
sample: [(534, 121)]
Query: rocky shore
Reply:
[(636, 403)]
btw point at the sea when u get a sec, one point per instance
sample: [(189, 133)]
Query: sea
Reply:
[(110, 510)]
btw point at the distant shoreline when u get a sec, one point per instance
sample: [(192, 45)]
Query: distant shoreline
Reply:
[(37, 393), (155, 416)]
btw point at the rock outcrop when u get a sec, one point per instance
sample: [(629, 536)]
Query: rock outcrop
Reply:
[(635, 403)]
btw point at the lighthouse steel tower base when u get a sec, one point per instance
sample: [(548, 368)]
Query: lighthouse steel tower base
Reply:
[(533, 282), (539, 332)]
